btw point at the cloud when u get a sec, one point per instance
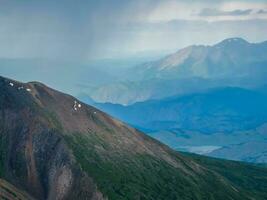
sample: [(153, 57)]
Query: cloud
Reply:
[(261, 11), (177, 34), (98, 28), (70, 30), (217, 12)]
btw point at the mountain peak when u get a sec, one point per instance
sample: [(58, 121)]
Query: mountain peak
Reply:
[(55, 147), (231, 41)]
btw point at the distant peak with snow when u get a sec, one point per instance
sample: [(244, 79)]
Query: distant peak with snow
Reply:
[(231, 41)]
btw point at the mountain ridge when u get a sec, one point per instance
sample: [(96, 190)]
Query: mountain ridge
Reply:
[(194, 55), (215, 120), (232, 62), (226, 102), (56, 147)]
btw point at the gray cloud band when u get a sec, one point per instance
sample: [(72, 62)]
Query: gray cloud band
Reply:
[(216, 12)]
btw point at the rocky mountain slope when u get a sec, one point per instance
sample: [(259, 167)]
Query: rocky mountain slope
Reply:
[(55, 147), (8, 191), (231, 62), (233, 57)]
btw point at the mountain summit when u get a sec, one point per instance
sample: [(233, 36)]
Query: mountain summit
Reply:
[(232, 62), (56, 147), (231, 41), (220, 60)]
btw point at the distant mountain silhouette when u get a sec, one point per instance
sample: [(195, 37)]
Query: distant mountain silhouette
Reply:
[(217, 110), (232, 62)]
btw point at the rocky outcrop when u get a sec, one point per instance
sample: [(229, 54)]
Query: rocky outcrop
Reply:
[(35, 157)]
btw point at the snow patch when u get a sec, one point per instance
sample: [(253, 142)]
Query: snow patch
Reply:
[(76, 105)]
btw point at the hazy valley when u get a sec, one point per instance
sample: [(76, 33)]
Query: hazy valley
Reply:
[(203, 99)]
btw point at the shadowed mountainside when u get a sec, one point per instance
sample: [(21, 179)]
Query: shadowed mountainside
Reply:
[(218, 110)]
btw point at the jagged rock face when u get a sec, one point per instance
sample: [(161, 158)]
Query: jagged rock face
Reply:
[(36, 157), (10, 192)]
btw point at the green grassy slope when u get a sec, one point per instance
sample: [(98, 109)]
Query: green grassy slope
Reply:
[(146, 177), (252, 179)]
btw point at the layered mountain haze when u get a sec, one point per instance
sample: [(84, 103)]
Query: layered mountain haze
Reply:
[(56, 147), (221, 60), (252, 151), (218, 110), (203, 122), (206, 99), (232, 62), (78, 76)]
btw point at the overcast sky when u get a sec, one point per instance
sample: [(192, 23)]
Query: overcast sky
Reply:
[(90, 29)]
